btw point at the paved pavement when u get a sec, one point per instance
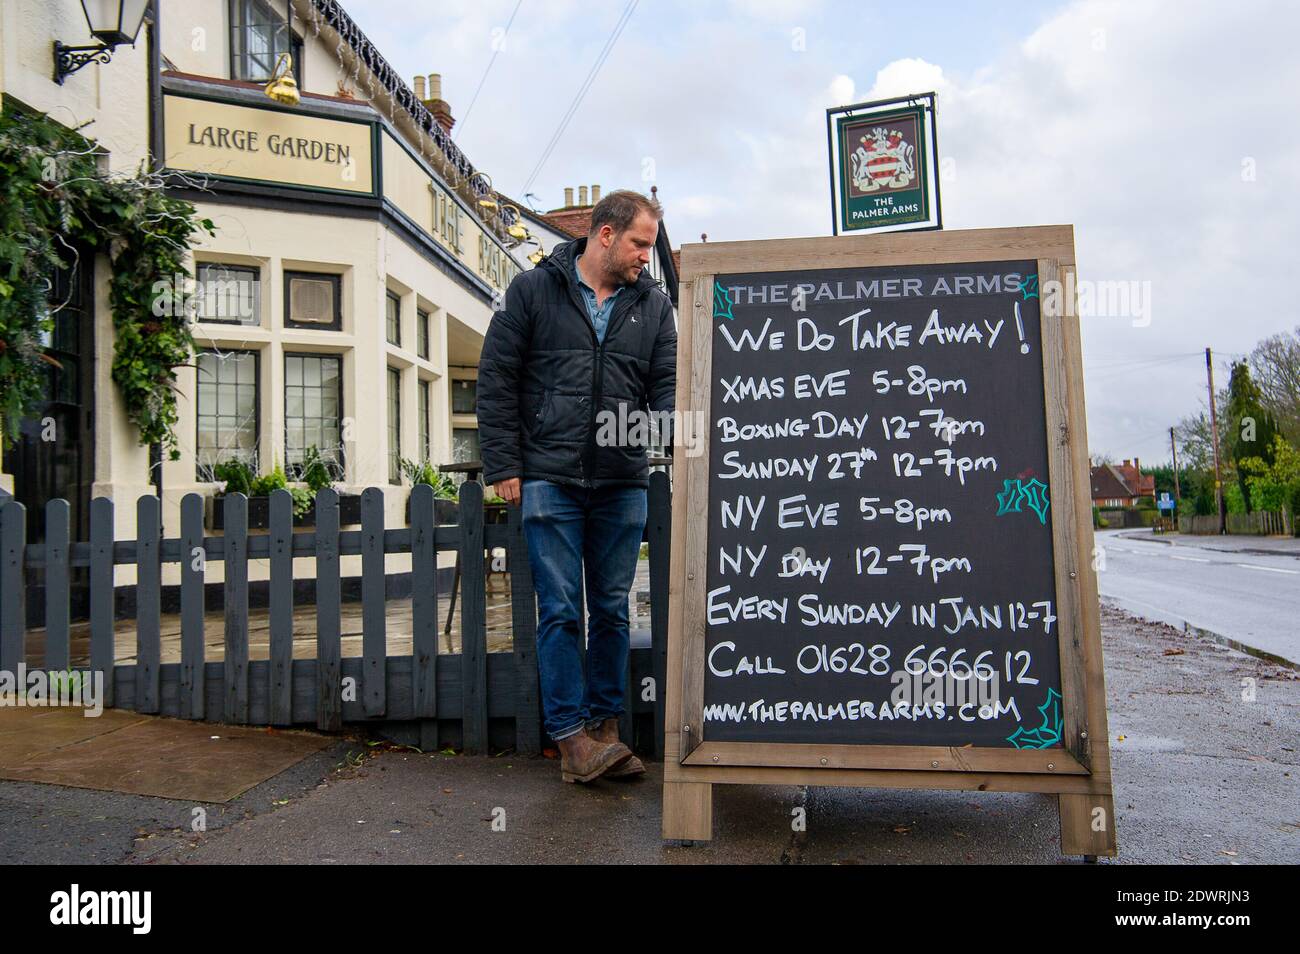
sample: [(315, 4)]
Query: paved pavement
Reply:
[(1243, 588), (1202, 774)]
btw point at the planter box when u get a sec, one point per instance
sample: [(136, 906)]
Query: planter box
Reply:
[(259, 513), (446, 513)]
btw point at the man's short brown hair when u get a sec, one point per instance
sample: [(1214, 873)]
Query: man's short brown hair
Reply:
[(620, 208)]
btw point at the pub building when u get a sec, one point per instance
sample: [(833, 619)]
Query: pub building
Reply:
[(342, 303)]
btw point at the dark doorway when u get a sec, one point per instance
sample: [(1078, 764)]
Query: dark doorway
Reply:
[(55, 454)]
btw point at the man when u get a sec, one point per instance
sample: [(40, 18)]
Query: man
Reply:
[(584, 342)]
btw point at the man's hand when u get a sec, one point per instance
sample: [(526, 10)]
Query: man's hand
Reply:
[(508, 490)]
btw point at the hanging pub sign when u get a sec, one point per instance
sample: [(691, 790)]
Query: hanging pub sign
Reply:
[(883, 166)]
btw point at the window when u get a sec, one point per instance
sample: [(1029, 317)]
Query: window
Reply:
[(425, 390), (464, 397), (313, 404), (312, 300), (393, 319), (464, 444), (258, 35), (422, 333), (229, 294), (394, 426), (227, 410)]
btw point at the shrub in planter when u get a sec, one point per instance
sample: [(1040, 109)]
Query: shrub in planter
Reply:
[(446, 496), (240, 478)]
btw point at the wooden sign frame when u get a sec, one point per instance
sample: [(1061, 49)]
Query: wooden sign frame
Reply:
[(1079, 771)]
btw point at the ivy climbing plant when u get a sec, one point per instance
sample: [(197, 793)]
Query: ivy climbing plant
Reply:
[(53, 194)]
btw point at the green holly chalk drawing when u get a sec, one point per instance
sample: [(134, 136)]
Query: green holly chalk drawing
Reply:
[(721, 303), (1032, 492), (1029, 288), (1045, 735)]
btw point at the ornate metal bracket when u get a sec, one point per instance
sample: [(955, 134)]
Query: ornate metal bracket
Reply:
[(69, 59)]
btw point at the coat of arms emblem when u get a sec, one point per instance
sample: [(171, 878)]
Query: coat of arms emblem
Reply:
[(883, 160)]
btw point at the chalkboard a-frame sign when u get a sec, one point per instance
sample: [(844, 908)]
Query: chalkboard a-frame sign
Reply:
[(882, 550)]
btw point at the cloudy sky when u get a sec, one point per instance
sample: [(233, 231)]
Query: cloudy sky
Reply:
[(1168, 134)]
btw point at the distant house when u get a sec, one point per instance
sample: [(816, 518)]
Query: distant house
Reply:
[(1121, 485)]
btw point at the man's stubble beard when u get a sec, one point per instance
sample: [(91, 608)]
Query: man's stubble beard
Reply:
[(609, 265)]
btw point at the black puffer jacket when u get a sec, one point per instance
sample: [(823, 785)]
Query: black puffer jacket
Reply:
[(543, 377)]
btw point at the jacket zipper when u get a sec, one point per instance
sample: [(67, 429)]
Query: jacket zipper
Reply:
[(598, 365), (598, 380)]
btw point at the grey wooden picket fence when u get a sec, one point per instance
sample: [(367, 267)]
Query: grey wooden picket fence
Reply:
[(475, 700)]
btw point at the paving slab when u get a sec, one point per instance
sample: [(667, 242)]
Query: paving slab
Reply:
[(167, 758)]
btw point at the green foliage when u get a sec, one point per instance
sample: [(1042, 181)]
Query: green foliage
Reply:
[(314, 472), (1097, 522), (1234, 501), (424, 472), (52, 193), (274, 480), (1275, 484), (1164, 475), (239, 478), (1251, 429)]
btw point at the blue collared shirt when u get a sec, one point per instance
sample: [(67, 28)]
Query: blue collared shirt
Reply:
[(599, 315)]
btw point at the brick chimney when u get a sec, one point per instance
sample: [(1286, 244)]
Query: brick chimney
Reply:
[(595, 194), (568, 197), (582, 195), (440, 108)]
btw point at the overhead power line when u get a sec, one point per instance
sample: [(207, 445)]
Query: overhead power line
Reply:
[(582, 92), (474, 99)]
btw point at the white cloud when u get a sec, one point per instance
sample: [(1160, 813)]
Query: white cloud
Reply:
[(1130, 121)]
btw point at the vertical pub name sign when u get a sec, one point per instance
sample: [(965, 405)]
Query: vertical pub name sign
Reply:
[(883, 165)]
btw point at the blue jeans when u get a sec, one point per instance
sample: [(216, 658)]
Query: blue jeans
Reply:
[(567, 527)]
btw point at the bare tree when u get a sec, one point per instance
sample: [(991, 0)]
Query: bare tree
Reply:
[(1275, 366)]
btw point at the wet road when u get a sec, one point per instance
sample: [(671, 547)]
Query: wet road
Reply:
[(1231, 587)]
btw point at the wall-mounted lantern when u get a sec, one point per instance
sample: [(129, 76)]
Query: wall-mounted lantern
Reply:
[(112, 22), (282, 88)]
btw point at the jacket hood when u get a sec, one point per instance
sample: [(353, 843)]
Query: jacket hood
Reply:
[(561, 259)]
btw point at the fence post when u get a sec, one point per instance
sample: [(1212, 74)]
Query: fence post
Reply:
[(329, 667), (57, 656), (523, 615), (373, 628), (473, 621), (424, 614), (280, 607), (13, 611), (658, 531), (103, 640), (148, 600), (236, 591), (193, 556)]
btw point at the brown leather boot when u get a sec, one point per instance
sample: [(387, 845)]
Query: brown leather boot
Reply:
[(583, 759), (607, 731)]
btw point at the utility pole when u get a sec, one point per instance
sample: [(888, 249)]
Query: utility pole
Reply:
[(1173, 448), (1214, 432)]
